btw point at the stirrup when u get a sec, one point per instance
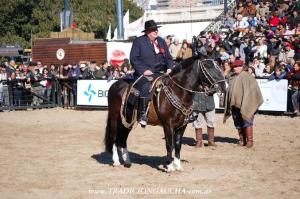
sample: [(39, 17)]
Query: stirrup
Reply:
[(143, 123), (193, 118)]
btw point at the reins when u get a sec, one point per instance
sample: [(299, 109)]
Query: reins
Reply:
[(207, 75)]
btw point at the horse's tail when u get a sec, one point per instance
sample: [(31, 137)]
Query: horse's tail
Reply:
[(108, 136)]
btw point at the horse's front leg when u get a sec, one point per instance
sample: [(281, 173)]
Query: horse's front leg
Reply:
[(115, 156), (169, 146), (178, 140)]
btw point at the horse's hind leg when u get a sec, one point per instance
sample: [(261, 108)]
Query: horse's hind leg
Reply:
[(122, 144), (115, 156)]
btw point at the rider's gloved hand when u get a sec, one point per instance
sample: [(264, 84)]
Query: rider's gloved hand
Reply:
[(148, 73), (168, 71)]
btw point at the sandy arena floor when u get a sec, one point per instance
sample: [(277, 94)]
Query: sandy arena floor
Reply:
[(58, 153)]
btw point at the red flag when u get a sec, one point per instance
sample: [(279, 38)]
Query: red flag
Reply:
[(74, 25)]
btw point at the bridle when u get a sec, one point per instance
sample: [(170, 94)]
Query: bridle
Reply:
[(213, 82), (214, 87)]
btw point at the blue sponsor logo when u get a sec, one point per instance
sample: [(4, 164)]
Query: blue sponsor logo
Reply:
[(90, 92)]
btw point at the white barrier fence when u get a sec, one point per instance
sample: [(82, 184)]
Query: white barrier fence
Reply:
[(94, 93)]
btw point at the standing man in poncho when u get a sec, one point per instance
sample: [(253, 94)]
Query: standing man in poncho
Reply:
[(243, 98)]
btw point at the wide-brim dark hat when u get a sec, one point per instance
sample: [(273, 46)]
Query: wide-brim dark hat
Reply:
[(150, 25)]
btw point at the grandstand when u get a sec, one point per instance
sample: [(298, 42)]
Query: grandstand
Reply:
[(169, 4), (192, 16)]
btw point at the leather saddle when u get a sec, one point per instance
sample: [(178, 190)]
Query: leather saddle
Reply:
[(130, 100), (132, 93)]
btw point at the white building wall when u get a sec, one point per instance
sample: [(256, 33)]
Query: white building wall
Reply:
[(183, 30)]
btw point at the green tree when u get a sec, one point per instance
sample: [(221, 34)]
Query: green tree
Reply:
[(96, 15), (22, 20)]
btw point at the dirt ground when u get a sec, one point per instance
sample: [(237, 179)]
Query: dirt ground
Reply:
[(58, 153)]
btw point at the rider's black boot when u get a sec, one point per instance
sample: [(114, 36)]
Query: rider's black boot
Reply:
[(143, 111)]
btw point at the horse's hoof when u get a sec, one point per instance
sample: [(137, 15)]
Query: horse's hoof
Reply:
[(179, 169), (116, 164), (170, 168), (177, 164), (127, 165)]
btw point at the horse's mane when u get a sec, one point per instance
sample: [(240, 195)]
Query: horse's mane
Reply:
[(184, 64), (187, 63)]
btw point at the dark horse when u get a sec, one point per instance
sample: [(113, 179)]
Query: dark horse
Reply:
[(171, 104)]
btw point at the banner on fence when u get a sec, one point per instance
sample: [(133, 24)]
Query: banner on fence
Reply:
[(274, 94), (93, 92)]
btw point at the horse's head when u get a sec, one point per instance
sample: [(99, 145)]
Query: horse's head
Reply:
[(210, 77)]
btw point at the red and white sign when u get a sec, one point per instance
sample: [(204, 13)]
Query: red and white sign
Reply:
[(117, 52)]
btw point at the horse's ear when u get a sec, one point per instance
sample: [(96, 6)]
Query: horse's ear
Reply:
[(219, 61), (200, 55)]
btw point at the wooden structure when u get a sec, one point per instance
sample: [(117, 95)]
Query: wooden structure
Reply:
[(45, 50), (74, 34)]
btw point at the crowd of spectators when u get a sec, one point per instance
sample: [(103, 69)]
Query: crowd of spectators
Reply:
[(44, 81), (263, 35)]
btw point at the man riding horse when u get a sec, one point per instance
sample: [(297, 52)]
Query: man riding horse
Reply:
[(149, 56)]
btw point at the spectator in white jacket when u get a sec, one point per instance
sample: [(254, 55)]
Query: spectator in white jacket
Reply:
[(261, 49), (259, 67), (241, 25)]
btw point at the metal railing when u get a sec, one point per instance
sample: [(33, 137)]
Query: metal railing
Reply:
[(217, 23), (18, 95)]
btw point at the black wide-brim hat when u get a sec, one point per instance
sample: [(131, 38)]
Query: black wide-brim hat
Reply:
[(150, 25)]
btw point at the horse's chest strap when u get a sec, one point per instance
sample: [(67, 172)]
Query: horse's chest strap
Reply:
[(174, 100)]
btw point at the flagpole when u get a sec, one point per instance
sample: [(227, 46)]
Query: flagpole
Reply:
[(119, 9)]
